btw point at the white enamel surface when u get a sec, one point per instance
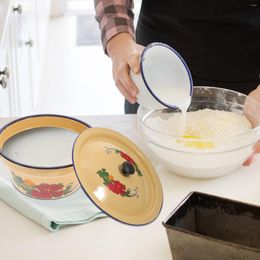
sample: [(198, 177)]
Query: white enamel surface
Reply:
[(144, 97), (46, 146), (167, 77)]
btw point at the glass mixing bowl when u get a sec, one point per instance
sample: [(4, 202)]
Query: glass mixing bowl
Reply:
[(202, 158)]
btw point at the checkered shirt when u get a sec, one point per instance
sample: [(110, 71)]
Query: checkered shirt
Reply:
[(114, 16)]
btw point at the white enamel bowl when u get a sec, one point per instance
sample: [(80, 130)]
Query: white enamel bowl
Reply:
[(174, 75)]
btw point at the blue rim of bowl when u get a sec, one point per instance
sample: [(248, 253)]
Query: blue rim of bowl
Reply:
[(33, 116), (178, 55)]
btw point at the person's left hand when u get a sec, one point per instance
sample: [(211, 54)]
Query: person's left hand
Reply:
[(255, 94)]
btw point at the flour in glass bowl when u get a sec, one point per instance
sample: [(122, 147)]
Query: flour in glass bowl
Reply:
[(201, 124), (208, 123), (214, 142)]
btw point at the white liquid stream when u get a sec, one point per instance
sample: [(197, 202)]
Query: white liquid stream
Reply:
[(179, 98)]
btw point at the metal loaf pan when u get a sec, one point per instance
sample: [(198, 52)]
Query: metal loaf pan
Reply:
[(207, 227)]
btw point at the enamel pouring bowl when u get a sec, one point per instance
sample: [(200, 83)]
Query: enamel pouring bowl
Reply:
[(51, 156), (163, 74), (201, 158)]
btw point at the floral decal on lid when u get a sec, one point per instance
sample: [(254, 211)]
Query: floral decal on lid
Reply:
[(114, 185), (126, 157)]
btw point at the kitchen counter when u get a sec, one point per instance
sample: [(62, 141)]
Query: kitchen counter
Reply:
[(106, 238)]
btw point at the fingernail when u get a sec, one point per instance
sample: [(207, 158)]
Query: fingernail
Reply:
[(132, 100), (248, 161)]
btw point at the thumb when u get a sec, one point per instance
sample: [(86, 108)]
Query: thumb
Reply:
[(134, 62)]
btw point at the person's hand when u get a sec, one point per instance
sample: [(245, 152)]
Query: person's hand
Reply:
[(125, 54), (255, 94)]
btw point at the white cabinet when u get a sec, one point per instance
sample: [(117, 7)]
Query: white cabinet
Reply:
[(23, 38), (8, 99), (21, 54), (6, 105)]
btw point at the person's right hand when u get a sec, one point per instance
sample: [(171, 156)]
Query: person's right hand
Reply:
[(125, 55)]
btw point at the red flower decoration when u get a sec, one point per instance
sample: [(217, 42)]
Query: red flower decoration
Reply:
[(47, 191), (117, 187), (127, 157)]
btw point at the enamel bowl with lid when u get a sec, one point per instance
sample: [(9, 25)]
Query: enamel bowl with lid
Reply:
[(196, 157), (51, 156)]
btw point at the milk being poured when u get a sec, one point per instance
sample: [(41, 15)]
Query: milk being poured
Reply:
[(180, 98)]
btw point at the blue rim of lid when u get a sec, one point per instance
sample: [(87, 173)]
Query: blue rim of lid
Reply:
[(143, 76)]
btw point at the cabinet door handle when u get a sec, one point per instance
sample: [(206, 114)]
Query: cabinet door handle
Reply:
[(5, 72), (29, 43), (18, 9), (3, 81)]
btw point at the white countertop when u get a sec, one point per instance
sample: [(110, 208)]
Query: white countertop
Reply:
[(106, 238)]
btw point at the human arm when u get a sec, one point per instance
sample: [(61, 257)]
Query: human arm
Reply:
[(114, 16), (117, 32)]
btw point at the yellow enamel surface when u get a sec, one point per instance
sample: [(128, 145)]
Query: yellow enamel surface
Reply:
[(64, 175), (40, 121), (200, 144), (91, 154)]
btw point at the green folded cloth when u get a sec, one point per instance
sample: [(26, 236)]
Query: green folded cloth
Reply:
[(51, 214)]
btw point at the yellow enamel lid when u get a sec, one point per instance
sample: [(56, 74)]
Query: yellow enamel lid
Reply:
[(117, 176)]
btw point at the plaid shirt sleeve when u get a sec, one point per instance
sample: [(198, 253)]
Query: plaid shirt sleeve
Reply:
[(114, 16)]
